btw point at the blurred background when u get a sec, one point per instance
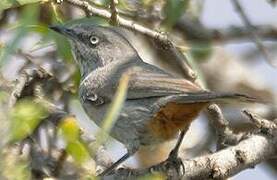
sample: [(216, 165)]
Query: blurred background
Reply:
[(231, 49)]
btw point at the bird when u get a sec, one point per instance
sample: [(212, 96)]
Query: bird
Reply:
[(158, 105)]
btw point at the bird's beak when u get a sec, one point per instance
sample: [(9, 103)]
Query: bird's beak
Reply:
[(64, 31)]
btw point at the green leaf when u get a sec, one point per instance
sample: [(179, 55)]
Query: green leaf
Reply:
[(117, 104), (70, 131), (5, 4), (113, 111), (25, 117), (78, 151), (173, 11)]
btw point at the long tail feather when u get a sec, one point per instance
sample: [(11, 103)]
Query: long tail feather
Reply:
[(216, 97)]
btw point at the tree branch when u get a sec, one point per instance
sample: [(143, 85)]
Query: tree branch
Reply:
[(114, 13), (239, 33), (222, 164), (194, 30), (252, 31), (225, 134), (25, 79)]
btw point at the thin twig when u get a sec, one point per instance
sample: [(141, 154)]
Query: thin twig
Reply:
[(264, 125), (195, 31), (113, 20), (60, 163), (252, 31), (23, 81), (241, 33), (225, 135), (16, 93)]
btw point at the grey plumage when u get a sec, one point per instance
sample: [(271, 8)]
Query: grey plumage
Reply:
[(103, 55)]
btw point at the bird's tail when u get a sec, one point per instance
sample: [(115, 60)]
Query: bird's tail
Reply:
[(216, 97)]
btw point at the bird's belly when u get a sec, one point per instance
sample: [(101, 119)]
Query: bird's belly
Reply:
[(172, 118)]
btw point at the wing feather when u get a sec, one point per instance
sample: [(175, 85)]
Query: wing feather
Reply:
[(149, 81)]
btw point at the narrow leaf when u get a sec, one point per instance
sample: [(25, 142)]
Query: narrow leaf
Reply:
[(78, 151), (70, 131), (114, 110)]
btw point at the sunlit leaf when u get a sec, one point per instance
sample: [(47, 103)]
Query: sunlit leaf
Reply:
[(173, 11), (114, 110), (116, 105), (70, 131), (25, 117), (38, 28), (78, 151)]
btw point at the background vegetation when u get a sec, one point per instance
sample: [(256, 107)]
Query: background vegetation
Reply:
[(43, 130)]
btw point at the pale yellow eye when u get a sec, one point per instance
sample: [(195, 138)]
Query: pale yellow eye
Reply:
[(94, 40)]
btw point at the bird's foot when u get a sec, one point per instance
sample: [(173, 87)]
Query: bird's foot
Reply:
[(175, 163)]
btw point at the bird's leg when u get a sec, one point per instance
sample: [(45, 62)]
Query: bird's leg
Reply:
[(173, 155), (174, 152), (114, 165)]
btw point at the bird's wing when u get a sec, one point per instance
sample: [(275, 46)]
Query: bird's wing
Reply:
[(149, 81)]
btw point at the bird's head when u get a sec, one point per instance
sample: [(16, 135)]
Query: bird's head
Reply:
[(96, 46)]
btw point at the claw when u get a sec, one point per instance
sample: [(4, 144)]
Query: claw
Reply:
[(177, 163), (173, 156)]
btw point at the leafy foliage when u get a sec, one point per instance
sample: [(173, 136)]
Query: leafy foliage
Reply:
[(25, 117), (114, 110), (70, 131), (28, 17)]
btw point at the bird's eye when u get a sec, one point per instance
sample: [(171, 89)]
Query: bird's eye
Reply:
[(94, 40)]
